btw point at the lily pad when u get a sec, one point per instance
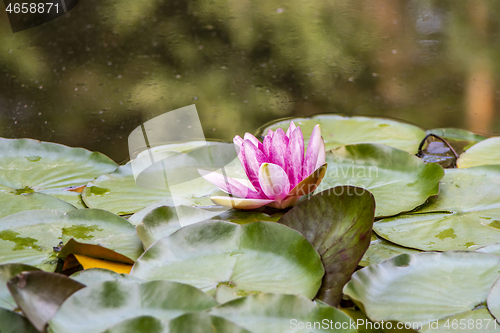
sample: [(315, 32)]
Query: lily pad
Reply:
[(424, 287), (97, 275), (102, 305), (12, 204), (486, 152), (11, 322), (380, 250), (230, 260), (460, 139), (7, 272), (29, 237), (339, 131), (162, 221), (119, 194), (465, 215), (49, 168), (399, 181), (270, 313), (195, 322), (40, 294), (338, 224)]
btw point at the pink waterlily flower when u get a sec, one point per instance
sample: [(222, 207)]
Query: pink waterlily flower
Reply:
[(277, 168)]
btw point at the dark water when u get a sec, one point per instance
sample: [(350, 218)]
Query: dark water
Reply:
[(91, 76)]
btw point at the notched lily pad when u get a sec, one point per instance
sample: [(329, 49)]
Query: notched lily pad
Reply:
[(49, 168), (423, 287), (111, 302), (230, 260), (486, 152), (464, 216), (30, 237), (339, 131), (399, 181)]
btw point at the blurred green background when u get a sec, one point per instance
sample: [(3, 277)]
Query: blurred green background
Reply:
[(90, 77)]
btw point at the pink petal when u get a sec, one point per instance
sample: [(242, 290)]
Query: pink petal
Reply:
[(295, 157), (253, 160), (278, 148), (274, 181), (254, 140), (290, 129), (270, 133), (238, 141), (240, 203), (314, 148), (322, 155), (229, 185), (268, 141)]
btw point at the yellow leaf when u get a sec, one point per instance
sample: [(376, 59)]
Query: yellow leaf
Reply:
[(88, 262)]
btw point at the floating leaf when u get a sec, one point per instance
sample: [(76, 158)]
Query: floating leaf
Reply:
[(465, 215), (270, 313), (163, 221), (338, 131), (190, 322), (11, 322), (486, 152), (235, 260), (399, 181), (48, 168), (29, 237), (98, 275), (338, 224), (459, 139), (102, 305), (119, 194), (40, 294), (8, 272), (424, 287), (380, 250), (12, 204)]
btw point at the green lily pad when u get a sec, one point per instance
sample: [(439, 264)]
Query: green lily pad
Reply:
[(464, 216), (162, 221), (339, 131), (48, 168), (195, 322), (424, 287), (11, 322), (270, 313), (119, 194), (29, 237), (338, 224), (380, 250), (7, 272), (40, 294), (231, 260), (492, 248), (486, 152), (102, 305), (137, 217), (399, 181), (97, 275), (12, 204)]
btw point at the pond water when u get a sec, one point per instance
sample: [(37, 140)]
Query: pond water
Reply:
[(90, 77)]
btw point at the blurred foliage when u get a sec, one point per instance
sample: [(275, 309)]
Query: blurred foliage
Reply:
[(92, 76)]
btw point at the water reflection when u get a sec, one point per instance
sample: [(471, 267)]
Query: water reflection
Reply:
[(89, 78)]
